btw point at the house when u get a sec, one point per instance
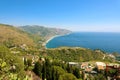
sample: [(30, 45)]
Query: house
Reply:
[(76, 64), (100, 65), (84, 65), (112, 56), (113, 64), (114, 75)]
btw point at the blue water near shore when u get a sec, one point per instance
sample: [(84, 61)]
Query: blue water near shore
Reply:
[(109, 42)]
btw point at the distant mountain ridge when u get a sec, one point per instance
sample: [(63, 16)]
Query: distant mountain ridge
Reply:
[(44, 31), (11, 36)]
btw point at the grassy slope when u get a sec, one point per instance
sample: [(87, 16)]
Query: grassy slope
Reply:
[(10, 35)]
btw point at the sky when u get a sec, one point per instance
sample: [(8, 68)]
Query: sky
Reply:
[(75, 15)]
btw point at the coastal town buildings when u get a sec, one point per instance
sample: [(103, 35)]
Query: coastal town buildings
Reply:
[(100, 65), (92, 69)]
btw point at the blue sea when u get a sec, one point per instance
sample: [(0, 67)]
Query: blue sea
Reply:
[(106, 41)]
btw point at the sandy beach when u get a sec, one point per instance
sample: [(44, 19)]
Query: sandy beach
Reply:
[(44, 44)]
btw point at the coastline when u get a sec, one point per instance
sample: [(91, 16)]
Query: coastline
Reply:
[(45, 43)]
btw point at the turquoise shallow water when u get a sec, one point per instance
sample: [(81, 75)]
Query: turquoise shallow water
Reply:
[(109, 42)]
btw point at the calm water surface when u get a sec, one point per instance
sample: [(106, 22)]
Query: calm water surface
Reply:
[(109, 42)]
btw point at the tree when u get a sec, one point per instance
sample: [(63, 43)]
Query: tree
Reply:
[(38, 69), (67, 76), (48, 69), (56, 72), (44, 72), (69, 69), (76, 72)]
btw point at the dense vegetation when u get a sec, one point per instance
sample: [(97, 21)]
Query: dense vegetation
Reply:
[(10, 64), (56, 70), (76, 54)]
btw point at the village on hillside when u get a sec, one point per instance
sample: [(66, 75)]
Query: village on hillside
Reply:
[(90, 69)]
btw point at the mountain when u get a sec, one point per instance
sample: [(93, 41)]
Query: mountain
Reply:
[(29, 35), (44, 32), (12, 36)]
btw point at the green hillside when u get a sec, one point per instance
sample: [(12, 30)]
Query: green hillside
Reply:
[(76, 54), (12, 36), (45, 32)]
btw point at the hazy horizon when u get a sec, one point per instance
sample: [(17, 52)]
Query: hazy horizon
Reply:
[(74, 15)]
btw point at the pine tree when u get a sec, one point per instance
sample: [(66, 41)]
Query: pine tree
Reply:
[(38, 69), (76, 72)]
